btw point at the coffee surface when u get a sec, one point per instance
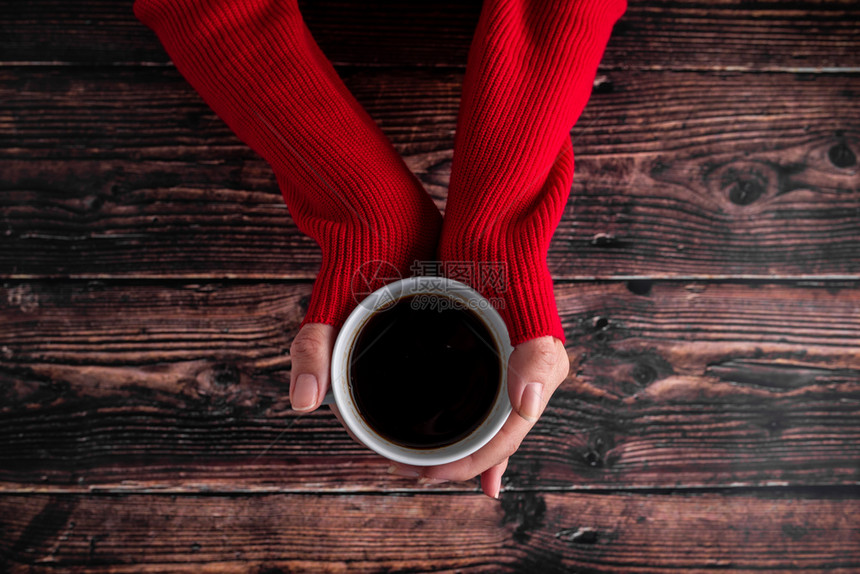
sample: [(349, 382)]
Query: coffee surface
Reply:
[(424, 377)]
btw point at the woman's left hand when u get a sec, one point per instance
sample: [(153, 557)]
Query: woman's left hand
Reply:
[(535, 370)]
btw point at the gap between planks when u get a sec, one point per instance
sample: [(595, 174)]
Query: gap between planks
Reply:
[(280, 278), (844, 490), (452, 68)]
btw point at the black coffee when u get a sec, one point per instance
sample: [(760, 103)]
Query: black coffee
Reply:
[(424, 375)]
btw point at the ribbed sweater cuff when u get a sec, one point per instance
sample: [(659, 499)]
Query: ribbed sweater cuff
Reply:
[(530, 73), (516, 242)]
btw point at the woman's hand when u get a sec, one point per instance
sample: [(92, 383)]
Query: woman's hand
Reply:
[(536, 369)]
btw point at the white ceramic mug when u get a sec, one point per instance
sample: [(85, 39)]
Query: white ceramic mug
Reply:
[(377, 301)]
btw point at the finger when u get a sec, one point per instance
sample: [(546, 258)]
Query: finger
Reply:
[(408, 470), (310, 354), (543, 361), (491, 479), (535, 370), (501, 446)]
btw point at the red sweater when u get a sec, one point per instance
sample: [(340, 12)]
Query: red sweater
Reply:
[(529, 75)]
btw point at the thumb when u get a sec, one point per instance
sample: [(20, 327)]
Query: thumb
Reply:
[(536, 368), (310, 354)]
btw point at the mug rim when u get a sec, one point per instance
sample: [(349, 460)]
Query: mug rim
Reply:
[(387, 295)]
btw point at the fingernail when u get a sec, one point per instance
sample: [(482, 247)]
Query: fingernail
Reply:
[(398, 471), (305, 392), (530, 402), (492, 491), (424, 480)]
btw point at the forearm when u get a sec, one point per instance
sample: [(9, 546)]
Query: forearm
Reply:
[(530, 73), (255, 63)]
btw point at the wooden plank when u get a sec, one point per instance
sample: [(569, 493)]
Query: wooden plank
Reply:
[(765, 35), (183, 388), (524, 532), (127, 174)]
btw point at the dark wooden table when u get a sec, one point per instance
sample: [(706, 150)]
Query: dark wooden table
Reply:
[(707, 272)]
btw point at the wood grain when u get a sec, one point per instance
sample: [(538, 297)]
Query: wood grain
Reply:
[(183, 388), (711, 422), (678, 175), (523, 532), (765, 35)]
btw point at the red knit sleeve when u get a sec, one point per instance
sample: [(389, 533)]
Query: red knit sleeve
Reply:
[(530, 73), (255, 63)]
